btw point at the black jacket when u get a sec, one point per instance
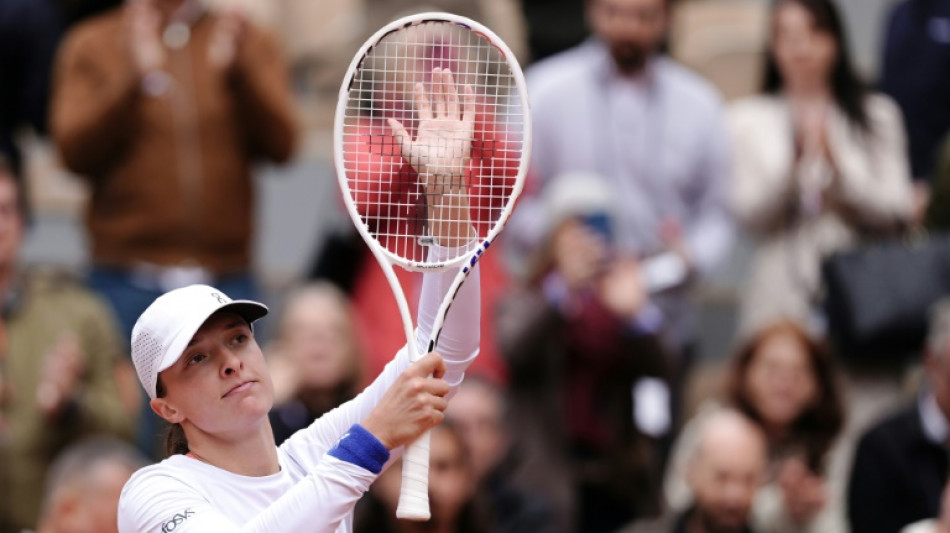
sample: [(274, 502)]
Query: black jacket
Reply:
[(897, 477)]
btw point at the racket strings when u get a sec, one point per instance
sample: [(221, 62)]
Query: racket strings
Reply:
[(391, 197)]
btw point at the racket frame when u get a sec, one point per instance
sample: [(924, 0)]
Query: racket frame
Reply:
[(413, 498)]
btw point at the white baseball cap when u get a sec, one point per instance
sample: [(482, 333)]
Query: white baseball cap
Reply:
[(164, 330), (577, 193)]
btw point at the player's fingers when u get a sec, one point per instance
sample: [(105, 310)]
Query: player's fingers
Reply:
[(422, 102), (439, 370), (437, 386), (451, 95), (401, 137), (436, 417), (438, 93), (430, 364), (439, 402)]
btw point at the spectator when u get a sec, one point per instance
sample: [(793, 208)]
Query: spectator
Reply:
[(617, 106), (817, 160), (724, 474), (315, 359), (202, 126), (59, 356), (478, 412), (915, 72), (163, 108), (575, 346), (783, 379), (83, 486), (451, 493), (900, 465)]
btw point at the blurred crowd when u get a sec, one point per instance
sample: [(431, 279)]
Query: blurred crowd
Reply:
[(675, 142)]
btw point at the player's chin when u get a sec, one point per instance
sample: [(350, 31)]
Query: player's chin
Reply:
[(257, 397)]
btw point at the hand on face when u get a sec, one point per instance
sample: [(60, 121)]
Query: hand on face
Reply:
[(413, 404)]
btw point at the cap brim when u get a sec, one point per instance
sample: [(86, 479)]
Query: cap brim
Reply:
[(247, 309)]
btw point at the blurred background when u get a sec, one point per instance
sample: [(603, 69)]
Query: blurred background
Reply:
[(791, 133)]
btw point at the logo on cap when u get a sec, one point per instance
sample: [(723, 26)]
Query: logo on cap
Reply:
[(222, 299)]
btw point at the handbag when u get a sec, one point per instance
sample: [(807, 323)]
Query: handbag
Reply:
[(878, 296)]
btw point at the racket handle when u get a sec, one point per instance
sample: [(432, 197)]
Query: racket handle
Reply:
[(414, 495)]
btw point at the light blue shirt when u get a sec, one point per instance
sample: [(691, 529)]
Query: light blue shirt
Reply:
[(658, 139)]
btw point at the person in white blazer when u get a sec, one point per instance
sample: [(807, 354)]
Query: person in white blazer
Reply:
[(818, 160)]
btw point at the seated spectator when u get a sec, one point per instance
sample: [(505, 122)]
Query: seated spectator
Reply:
[(783, 380), (59, 359), (314, 359), (724, 471), (83, 486), (478, 411), (901, 465), (818, 160), (577, 339), (451, 493)]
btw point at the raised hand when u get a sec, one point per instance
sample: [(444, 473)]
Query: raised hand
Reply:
[(443, 144)]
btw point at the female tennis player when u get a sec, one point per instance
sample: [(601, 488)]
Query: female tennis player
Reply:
[(196, 356)]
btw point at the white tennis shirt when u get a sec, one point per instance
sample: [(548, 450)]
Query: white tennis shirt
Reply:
[(313, 492)]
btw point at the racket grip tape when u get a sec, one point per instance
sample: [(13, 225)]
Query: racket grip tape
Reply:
[(414, 495)]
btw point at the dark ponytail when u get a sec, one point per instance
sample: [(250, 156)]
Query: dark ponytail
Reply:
[(176, 443)]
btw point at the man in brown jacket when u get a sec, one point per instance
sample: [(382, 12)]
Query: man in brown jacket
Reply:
[(163, 107)]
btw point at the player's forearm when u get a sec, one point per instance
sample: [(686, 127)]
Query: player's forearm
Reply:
[(458, 341), (319, 502), (324, 432)]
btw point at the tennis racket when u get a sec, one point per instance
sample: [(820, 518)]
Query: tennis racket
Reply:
[(431, 142)]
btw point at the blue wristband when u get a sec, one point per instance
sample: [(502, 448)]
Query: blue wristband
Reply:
[(361, 448)]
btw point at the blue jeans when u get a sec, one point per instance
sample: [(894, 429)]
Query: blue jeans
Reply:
[(129, 297)]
